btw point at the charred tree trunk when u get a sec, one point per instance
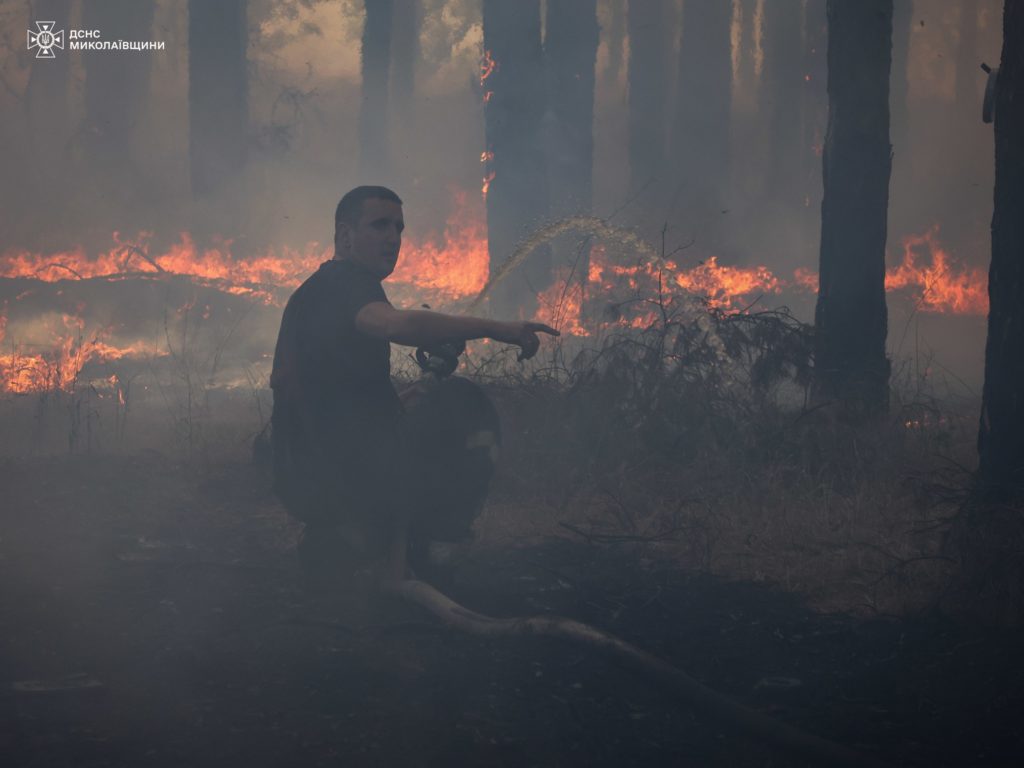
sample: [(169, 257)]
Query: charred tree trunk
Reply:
[(47, 103), (217, 93), (850, 318), (374, 156), (648, 63), (988, 535), (517, 192), (815, 97), (902, 15), (783, 90), (405, 52), (1001, 436), (571, 50), (116, 84), (700, 133)]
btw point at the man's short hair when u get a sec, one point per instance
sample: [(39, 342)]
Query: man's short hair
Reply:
[(350, 207)]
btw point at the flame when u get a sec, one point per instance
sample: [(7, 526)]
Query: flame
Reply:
[(487, 67), (446, 268), (561, 305), (649, 288), (452, 267), (60, 368), (486, 185), (805, 279), (215, 266), (926, 269), (724, 286), (457, 267), (439, 270), (943, 287)]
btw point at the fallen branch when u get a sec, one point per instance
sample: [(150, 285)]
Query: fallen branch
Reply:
[(663, 674)]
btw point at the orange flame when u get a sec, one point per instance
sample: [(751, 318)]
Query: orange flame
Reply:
[(454, 269), (943, 287), (447, 268), (561, 305), (59, 369), (487, 67), (805, 279), (450, 268), (723, 286), (926, 269)]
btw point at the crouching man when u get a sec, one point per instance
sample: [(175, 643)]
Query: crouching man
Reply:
[(342, 463)]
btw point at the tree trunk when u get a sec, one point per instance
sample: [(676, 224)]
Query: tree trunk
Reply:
[(571, 50), (783, 87), (217, 94), (700, 133), (116, 84), (374, 155), (902, 17), (648, 64), (405, 53), (850, 318), (815, 96), (48, 106), (517, 194), (814, 121), (1001, 437)]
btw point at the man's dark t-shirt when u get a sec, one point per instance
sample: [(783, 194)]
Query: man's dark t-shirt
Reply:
[(337, 418)]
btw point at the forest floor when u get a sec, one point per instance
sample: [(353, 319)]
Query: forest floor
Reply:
[(154, 615)]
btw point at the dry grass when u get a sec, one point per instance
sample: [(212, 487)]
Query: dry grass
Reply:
[(707, 452)]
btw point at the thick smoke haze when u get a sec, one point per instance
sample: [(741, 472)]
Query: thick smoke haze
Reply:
[(745, 492), (302, 140)]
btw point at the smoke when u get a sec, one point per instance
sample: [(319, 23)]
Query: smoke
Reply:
[(303, 145)]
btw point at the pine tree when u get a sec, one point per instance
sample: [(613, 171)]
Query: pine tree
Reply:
[(851, 317), (517, 195), (374, 152), (218, 92)]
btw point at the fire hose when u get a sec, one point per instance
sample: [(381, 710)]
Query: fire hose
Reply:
[(669, 678)]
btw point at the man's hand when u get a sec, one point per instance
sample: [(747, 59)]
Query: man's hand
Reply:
[(523, 335)]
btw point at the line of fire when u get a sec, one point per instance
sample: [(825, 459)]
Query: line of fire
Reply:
[(721, 461)]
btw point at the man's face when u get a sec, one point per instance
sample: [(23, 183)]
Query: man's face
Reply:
[(377, 238)]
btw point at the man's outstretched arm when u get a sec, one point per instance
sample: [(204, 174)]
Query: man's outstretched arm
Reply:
[(422, 328)]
